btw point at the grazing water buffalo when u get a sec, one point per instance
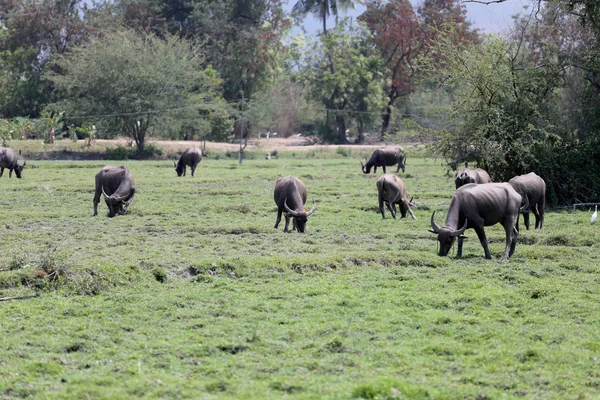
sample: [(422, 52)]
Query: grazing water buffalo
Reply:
[(191, 157), (8, 159), (385, 157), (475, 206), (291, 194), (118, 188), (471, 176), (532, 187), (392, 191)]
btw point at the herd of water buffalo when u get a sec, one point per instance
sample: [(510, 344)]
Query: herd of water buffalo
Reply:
[(477, 202)]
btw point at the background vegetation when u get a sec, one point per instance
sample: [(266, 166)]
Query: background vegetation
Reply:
[(194, 294), (519, 102)]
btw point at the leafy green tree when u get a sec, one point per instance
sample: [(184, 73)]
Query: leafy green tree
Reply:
[(127, 82), (403, 36), (344, 74), (243, 38), (34, 31), (323, 8)]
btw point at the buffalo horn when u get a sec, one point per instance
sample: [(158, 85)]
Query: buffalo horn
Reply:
[(461, 230), (24, 162), (434, 226), (289, 210), (174, 164), (104, 193), (312, 210)]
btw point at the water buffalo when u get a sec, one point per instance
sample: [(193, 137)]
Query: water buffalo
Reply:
[(8, 159), (471, 176), (392, 191), (475, 206), (191, 157), (385, 157), (532, 187), (118, 188), (291, 194)]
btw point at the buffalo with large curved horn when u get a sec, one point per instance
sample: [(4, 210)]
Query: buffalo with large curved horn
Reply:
[(475, 206), (290, 197), (118, 188)]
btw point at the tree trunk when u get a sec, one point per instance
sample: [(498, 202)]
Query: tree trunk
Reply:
[(360, 126), (386, 116), (340, 124)]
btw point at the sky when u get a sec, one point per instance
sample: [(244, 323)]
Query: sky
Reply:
[(487, 18)]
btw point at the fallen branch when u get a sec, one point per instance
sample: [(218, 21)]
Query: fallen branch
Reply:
[(19, 297)]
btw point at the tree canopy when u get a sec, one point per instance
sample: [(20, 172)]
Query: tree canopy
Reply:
[(130, 83)]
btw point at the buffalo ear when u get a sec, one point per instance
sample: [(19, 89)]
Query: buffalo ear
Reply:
[(463, 237)]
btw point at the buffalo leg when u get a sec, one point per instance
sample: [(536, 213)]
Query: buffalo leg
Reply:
[(10, 172), (184, 168), (375, 169), (460, 244), (278, 220), (513, 242), (539, 215), (484, 242), (287, 223), (526, 220), (381, 206), (383, 166), (193, 169), (1, 172), (392, 207)]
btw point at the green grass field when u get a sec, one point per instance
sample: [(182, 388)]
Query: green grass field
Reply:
[(194, 294)]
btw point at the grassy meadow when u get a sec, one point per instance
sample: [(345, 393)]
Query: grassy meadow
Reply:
[(194, 294)]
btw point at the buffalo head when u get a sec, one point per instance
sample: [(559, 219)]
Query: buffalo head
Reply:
[(300, 217), (19, 169), (446, 236), (116, 205), (365, 169), (179, 168)]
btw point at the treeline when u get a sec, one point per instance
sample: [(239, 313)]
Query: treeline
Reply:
[(184, 69)]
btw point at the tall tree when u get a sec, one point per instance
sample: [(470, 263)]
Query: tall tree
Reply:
[(127, 82), (34, 32), (355, 84), (322, 9), (404, 36), (243, 38)]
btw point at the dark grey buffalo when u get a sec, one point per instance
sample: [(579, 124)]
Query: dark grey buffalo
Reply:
[(533, 189), (290, 195), (8, 159), (191, 157), (385, 157), (471, 176), (475, 206), (117, 186), (392, 191)]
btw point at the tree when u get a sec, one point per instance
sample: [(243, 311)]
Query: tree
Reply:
[(128, 82), (323, 8), (34, 32), (404, 36), (356, 76), (243, 38)]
